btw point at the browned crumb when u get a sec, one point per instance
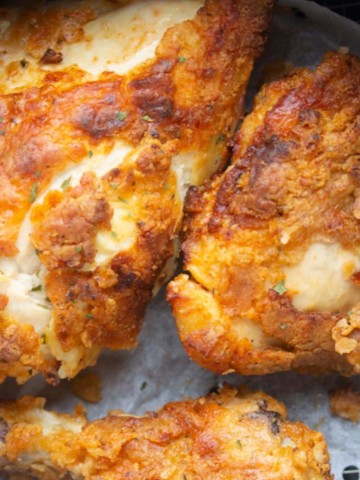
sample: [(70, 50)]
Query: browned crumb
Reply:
[(345, 403)]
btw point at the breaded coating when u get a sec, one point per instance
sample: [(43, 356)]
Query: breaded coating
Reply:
[(108, 112), (231, 435), (272, 247), (345, 403)]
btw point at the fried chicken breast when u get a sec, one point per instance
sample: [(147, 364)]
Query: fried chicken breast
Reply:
[(231, 435), (272, 248), (108, 112)]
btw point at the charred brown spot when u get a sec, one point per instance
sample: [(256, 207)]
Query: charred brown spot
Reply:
[(4, 429), (153, 95), (356, 278), (51, 57), (274, 419)]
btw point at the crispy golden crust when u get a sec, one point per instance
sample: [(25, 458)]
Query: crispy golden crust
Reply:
[(231, 435), (345, 403), (294, 183), (160, 109)]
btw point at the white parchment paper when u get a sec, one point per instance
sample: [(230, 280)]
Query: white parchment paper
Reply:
[(159, 371)]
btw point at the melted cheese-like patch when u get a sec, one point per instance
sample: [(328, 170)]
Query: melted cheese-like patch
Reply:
[(248, 329), (121, 40), (116, 41), (321, 281), (121, 236)]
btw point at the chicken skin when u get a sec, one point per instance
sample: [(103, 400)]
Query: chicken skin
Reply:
[(272, 246), (231, 435), (108, 112)]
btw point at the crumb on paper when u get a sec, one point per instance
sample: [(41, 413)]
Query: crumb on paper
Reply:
[(345, 403), (87, 387)]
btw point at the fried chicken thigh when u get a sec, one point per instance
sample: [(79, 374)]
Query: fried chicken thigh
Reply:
[(108, 112), (231, 435), (272, 246)]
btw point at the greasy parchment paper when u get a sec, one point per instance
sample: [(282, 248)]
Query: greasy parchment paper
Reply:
[(159, 371)]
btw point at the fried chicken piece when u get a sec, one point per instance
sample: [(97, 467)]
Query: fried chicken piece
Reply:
[(272, 248), (231, 435), (108, 112)]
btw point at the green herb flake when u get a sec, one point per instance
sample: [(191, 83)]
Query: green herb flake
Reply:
[(123, 200), (283, 326), (1, 119), (43, 306), (34, 192), (2, 133), (121, 116), (114, 185), (280, 288), (37, 251), (350, 313), (78, 249), (43, 338), (239, 444), (37, 174), (143, 386), (37, 289), (90, 154), (220, 138), (65, 184), (89, 316), (181, 59), (147, 118), (167, 186), (114, 234)]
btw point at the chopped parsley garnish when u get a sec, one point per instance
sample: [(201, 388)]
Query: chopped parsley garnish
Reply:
[(90, 153), (65, 184), (37, 174), (43, 306), (122, 200), (181, 59), (143, 386), (114, 186), (239, 444), (280, 288), (147, 118), (121, 116), (2, 133), (220, 138), (89, 316), (43, 338), (37, 251), (34, 192), (114, 234), (37, 289), (78, 249)]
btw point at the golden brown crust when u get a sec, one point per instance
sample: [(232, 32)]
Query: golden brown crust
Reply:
[(345, 403), (238, 435), (294, 182), (160, 109)]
